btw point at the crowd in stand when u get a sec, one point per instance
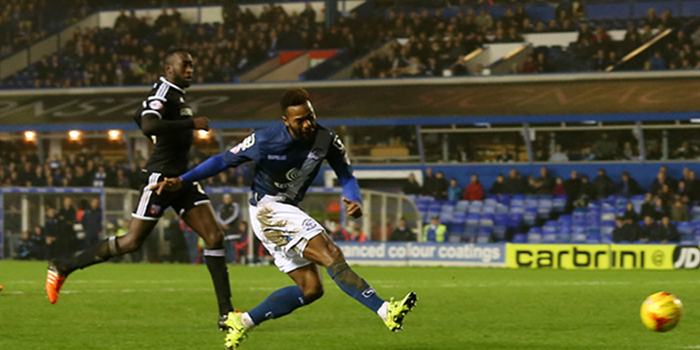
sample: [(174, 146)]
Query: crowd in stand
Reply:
[(131, 52), (667, 201)]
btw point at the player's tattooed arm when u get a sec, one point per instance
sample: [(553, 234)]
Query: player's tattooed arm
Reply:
[(154, 126)]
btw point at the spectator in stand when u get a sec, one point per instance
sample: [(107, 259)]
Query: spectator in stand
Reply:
[(673, 184), (435, 231), (587, 193), (454, 191), (695, 37), (339, 234), (604, 148), (497, 186), (667, 232), (559, 187), (686, 151), (441, 187), (603, 185), (545, 183), (67, 218), (693, 187), (618, 232), (54, 235), (411, 187), (666, 195), (659, 182), (356, 234), (529, 64), (652, 20), (660, 210), (630, 212), (559, 155), (679, 211), (402, 233), (92, 223), (513, 184), (657, 62), (682, 192), (648, 206), (474, 191), (572, 187), (629, 186), (27, 248), (648, 231), (430, 183)]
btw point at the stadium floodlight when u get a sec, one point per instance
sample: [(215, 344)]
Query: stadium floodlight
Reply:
[(114, 135), (74, 135), (30, 136), (203, 134), (695, 120)]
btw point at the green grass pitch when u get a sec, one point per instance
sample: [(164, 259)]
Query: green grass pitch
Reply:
[(163, 306)]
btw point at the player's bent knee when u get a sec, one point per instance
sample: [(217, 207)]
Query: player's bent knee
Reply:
[(214, 240), (313, 293)]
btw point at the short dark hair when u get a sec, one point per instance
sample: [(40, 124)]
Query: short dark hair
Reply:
[(293, 97), (172, 52)]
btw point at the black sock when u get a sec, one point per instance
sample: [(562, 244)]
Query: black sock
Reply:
[(216, 263), (91, 256)]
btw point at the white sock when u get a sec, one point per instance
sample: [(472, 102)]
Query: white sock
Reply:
[(382, 310), (247, 321)]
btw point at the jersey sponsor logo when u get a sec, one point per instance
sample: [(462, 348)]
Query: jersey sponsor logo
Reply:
[(248, 142), (186, 111), (276, 157), (155, 104)]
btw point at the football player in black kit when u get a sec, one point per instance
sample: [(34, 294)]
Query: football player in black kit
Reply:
[(165, 118)]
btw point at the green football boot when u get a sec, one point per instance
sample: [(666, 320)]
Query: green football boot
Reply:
[(397, 310), (235, 330)]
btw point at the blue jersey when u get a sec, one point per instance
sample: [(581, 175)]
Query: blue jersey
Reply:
[(285, 167)]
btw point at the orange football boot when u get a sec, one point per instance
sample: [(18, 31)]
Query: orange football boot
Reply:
[(54, 282)]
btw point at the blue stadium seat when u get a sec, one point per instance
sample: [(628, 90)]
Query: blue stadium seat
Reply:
[(476, 204), (563, 237), (608, 214), (606, 238), (685, 227), (593, 238), (488, 209), (490, 202), (500, 208), (530, 216), (500, 226), (462, 206), (559, 204), (472, 223), (517, 210), (530, 201), (486, 220), (549, 237), (687, 239), (474, 210), (504, 199), (514, 220), (519, 238), (578, 235), (534, 235), (695, 213), (518, 200)]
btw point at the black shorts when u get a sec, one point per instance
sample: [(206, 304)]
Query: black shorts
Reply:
[(151, 205)]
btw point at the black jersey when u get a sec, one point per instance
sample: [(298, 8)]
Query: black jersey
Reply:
[(167, 101)]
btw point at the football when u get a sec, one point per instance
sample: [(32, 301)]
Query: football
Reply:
[(661, 312)]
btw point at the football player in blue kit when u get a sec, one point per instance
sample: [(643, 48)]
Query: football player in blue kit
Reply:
[(287, 158)]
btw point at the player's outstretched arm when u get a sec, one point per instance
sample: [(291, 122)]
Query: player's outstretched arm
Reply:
[(207, 169), (154, 126)]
